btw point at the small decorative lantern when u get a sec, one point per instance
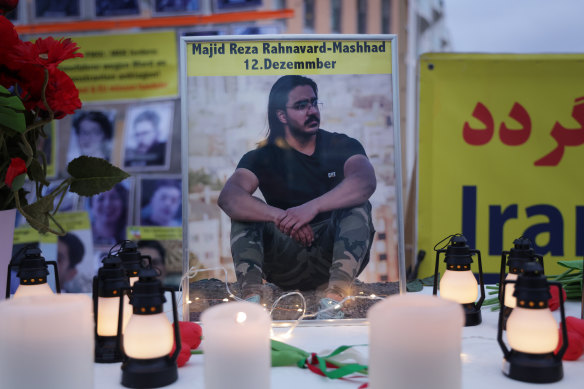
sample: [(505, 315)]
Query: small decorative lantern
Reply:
[(148, 338), (532, 330), (108, 290), (33, 272), (458, 282), (131, 260), (517, 257)]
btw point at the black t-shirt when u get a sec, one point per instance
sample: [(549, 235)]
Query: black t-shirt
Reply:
[(288, 178)]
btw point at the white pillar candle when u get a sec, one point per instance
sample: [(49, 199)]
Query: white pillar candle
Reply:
[(236, 346), (47, 342), (414, 342)]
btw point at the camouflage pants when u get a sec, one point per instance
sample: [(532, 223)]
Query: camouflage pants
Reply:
[(338, 254)]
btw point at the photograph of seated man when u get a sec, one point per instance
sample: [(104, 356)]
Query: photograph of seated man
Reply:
[(315, 229)]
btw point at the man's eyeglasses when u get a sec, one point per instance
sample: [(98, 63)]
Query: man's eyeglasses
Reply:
[(304, 105)]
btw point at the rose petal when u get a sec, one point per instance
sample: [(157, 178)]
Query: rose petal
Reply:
[(190, 333), (184, 354), (575, 346)]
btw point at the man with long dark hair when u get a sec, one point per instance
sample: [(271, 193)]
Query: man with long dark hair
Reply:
[(314, 231)]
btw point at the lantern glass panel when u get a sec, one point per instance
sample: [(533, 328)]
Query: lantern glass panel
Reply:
[(533, 331), (459, 286), (148, 336), (33, 290)]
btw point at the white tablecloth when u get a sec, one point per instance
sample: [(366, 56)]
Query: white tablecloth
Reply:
[(481, 356)]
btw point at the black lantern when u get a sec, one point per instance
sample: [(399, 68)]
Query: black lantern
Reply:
[(148, 337), (515, 259), (458, 282), (33, 271), (109, 287), (532, 330), (131, 259)]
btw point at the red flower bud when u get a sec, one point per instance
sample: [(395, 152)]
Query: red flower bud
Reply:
[(184, 354), (17, 167), (190, 333), (575, 346), (554, 301)]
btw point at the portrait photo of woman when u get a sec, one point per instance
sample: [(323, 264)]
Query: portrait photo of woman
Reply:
[(91, 134), (108, 212)]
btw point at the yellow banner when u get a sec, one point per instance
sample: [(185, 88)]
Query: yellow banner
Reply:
[(125, 66), (253, 58), (154, 233), (501, 155)]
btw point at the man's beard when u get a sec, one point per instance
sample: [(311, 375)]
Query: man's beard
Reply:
[(301, 134)]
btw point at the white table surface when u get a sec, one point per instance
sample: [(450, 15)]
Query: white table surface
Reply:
[(481, 359)]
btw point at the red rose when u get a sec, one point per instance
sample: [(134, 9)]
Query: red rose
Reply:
[(190, 333), (183, 355), (62, 94), (575, 324), (554, 301), (7, 6), (16, 168), (575, 346), (9, 40)]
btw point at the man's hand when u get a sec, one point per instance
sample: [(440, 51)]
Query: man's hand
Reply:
[(297, 217), (304, 235)]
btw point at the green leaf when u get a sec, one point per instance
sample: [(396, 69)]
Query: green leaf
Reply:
[(18, 182), (36, 173), (37, 214), (575, 264), (428, 281), (414, 286), (11, 111), (93, 175)]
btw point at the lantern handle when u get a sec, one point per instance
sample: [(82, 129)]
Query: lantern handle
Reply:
[(119, 343), (506, 352), (8, 280), (435, 286), (177, 341), (479, 303), (540, 259), (564, 347), (504, 255), (56, 274)]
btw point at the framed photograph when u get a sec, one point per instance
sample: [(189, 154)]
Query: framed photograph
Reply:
[(92, 134), (57, 10), (110, 214), (275, 129), (175, 7), (255, 30), (18, 14), (115, 8), (160, 200), (75, 258), (235, 5), (147, 135)]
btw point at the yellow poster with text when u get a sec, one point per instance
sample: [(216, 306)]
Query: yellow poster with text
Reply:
[(501, 154), (125, 66), (254, 58)]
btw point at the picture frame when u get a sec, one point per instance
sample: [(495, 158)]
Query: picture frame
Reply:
[(57, 10), (147, 148), (224, 95)]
